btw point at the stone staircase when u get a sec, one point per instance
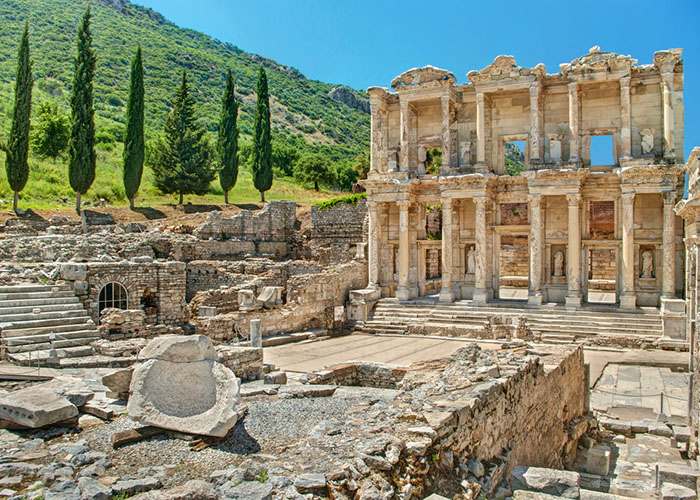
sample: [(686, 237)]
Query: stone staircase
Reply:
[(553, 323), (30, 314)]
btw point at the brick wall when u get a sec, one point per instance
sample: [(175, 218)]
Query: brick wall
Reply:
[(343, 223)]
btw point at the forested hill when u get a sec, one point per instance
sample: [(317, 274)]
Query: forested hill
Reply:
[(301, 108)]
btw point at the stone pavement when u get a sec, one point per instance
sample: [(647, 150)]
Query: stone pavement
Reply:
[(394, 350), (640, 387)]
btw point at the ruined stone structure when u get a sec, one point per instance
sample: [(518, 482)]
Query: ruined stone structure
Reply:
[(566, 230)]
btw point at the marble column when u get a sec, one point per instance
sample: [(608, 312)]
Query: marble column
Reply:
[(628, 299), (535, 123), (480, 293), (446, 142), (669, 244), (573, 256), (480, 130), (667, 96), (405, 119), (536, 254), (625, 119), (375, 125), (373, 246), (574, 138), (403, 292), (446, 293)]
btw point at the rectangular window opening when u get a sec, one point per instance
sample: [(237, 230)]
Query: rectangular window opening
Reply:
[(602, 152), (514, 155)]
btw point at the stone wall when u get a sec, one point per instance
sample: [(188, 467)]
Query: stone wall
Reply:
[(274, 223), (310, 301), (343, 223), (361, 374), (245, 362), (157, 287)]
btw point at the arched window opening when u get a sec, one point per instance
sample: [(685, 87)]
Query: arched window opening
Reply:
[(112, 295)]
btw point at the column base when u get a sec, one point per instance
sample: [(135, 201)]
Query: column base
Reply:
[(481, 168), (573, 301), (534, 299), (673, 318), (480, 297), (628, 302), (447, 295), (403, 293)]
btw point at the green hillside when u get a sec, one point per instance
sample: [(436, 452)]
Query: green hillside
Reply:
[(303, 115), (300, 106)]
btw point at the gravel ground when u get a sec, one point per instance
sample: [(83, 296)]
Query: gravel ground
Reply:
[(280, 433)]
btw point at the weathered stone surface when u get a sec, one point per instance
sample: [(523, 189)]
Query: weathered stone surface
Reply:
[(677, 474), (118, 380), (532, 495), (306, 391), (192, 490), (551, 481), (246, 490), (276, 378), (310, 483), (197, 396), (179, 349), (36, 407), (670, 491), (133, 486), (91, 489)]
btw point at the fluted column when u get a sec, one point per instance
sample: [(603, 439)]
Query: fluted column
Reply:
[(535, 281), (667, 95), (535, 123), (669, 243), (480, 294), (628, 299), (405, 119), (480, 130), (403, 292), (373, 246), (446, 143), (446, 293), (573, 260), (574, 139), (625, 118)]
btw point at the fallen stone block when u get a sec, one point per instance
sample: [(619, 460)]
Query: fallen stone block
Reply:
[(599, 495), (616, 426), (670, 491), (679, 474), (276, 378), (91, 489), (532, 495), (36, 407), (133, 486), (681, 433), (246, 490), (310, 483), (118, 380), (181, 386), (598, 461), (551, 481)]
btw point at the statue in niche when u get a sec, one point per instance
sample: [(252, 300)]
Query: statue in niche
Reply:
[(465, 153), (647, 141), (470, 261), (558, 263), (647, 264), (422, 156)]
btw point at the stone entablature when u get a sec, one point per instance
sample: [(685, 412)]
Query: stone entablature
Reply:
[(601, 93)]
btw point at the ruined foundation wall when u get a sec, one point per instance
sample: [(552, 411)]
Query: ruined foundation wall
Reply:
[(343, 223), (275, 222)]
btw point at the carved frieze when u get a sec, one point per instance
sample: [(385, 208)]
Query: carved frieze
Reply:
[(505, 68)]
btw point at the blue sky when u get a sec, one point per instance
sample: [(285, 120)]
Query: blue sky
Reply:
[(361, 43)]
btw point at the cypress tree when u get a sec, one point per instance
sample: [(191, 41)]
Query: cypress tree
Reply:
[(134, 144), (228, 138), (262, 144), (81, 162), (182, 158), (17, 148)]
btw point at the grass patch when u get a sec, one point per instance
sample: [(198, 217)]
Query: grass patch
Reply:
[(351, 199)]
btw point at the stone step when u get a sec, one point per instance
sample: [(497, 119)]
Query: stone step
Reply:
[(46, 294), (31, 287), (57, 344), (21, 332), (46, 338), (42, 355), (73, 310), (76, 319), (11, 305)]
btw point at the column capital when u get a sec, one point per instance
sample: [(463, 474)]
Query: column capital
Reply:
[(479, 96), (480, 202), (573, 87), (628, 197), (446, 203), (535, 89), (625, 81), (669, 197), (403, 204), (535, 200), (574, 199)]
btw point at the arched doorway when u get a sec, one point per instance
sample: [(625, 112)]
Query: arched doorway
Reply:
[(112, 295)]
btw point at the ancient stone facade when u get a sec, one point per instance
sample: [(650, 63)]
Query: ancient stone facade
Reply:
[(593, 233)]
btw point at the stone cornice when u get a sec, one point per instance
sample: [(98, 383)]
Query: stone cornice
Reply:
[(650, 176)]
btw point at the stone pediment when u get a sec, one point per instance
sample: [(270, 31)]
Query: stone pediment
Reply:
[(426, 77), (505, 68), (596, 61)]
